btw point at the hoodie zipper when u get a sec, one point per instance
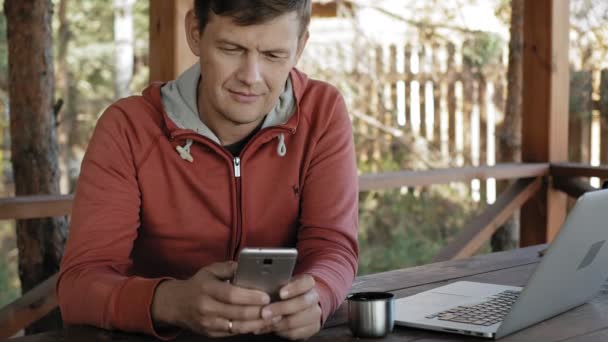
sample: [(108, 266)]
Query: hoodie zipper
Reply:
[(239, 209), (236, 165)]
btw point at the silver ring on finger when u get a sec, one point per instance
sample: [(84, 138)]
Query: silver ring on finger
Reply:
[(230, 326)]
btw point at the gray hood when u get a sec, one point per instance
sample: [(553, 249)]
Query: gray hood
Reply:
[(179, 98)]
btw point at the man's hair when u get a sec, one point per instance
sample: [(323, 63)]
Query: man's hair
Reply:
[(251, 12)]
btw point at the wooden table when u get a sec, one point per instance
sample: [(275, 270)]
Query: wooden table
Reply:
[(585, 323)]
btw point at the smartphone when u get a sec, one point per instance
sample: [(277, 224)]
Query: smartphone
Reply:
[(265, 269)]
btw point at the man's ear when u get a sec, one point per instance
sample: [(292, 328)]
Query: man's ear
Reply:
[(193, 33), (302, 44)]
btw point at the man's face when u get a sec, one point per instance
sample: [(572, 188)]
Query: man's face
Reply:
[(244, 68)]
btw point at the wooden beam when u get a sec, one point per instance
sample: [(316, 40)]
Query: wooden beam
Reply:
[(578, 170), (29, 308), (573, 187), (392, 180), (481, 228), (32, 207), (545, 110), (325, 10), (169, 51)]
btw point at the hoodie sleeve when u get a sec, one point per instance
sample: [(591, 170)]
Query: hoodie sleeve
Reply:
[(96, 285), (327, 239)]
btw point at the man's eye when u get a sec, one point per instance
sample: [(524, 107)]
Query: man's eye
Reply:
[(230, 50), (274, 56)]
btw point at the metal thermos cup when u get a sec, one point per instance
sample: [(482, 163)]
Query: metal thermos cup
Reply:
[(371, 314)]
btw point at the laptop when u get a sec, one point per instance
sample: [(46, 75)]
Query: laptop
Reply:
[(571, 273)]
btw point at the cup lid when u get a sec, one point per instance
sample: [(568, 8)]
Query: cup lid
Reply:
[(370, 296)]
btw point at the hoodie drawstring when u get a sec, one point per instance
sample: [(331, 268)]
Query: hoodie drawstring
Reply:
[(184, 152), (281, 148)]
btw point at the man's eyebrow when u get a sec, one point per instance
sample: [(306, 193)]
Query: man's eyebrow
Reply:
[(280, 51)]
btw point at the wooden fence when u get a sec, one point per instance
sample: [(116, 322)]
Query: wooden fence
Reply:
[(440, 108)]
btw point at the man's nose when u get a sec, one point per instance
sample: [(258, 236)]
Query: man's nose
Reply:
[(250, 70)]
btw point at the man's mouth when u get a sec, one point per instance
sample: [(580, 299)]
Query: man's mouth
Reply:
[(244, 97)]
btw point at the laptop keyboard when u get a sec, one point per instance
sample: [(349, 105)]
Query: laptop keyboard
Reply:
[(486, 313)]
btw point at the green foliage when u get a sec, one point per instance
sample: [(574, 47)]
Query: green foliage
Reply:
[(402, 230), (482, 49), (90, 57), (503, 11), (9, 281), (8, 289)]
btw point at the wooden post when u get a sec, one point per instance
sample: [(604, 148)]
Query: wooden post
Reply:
[(580, 109), (169, 51), (390, 116), (407, 51), (483, 130), (422, 76), (436, 77), (604, 117), (545, 110), (451, 96)]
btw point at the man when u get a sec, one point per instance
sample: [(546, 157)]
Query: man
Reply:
[(241, 150)]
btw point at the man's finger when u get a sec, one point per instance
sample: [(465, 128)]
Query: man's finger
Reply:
[(249, 327), (222, 270), (291, 306), (229, 311), (297, 286), (230, 294), (300, 319)]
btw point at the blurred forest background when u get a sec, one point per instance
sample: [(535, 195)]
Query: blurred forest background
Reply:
[(432, 92)]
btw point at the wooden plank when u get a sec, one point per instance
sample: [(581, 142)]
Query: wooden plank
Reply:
[(578, 170), (603, 108), (30, 207), (481, 228), (435, 70), (580, 109), (446, 270), (545, 110), (27, 309), (408, 78), (392, 180), (169, 51)]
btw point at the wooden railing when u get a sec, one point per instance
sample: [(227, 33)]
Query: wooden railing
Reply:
[(528, 180)]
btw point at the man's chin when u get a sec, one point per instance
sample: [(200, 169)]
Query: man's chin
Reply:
[(241, 119)]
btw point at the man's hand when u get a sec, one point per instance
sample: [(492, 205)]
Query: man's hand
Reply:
[(207, 304), (299, 309)]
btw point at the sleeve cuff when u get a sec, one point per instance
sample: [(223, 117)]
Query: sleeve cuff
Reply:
[(132, 310), (325, 299)]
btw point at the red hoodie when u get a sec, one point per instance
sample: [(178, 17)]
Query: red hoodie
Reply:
[(143, 214)]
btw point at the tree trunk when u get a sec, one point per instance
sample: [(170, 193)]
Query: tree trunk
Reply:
[(509, 132), (123, 41), (33, 144)]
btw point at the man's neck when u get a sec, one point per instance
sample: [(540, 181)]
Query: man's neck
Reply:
[(229, 132)]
